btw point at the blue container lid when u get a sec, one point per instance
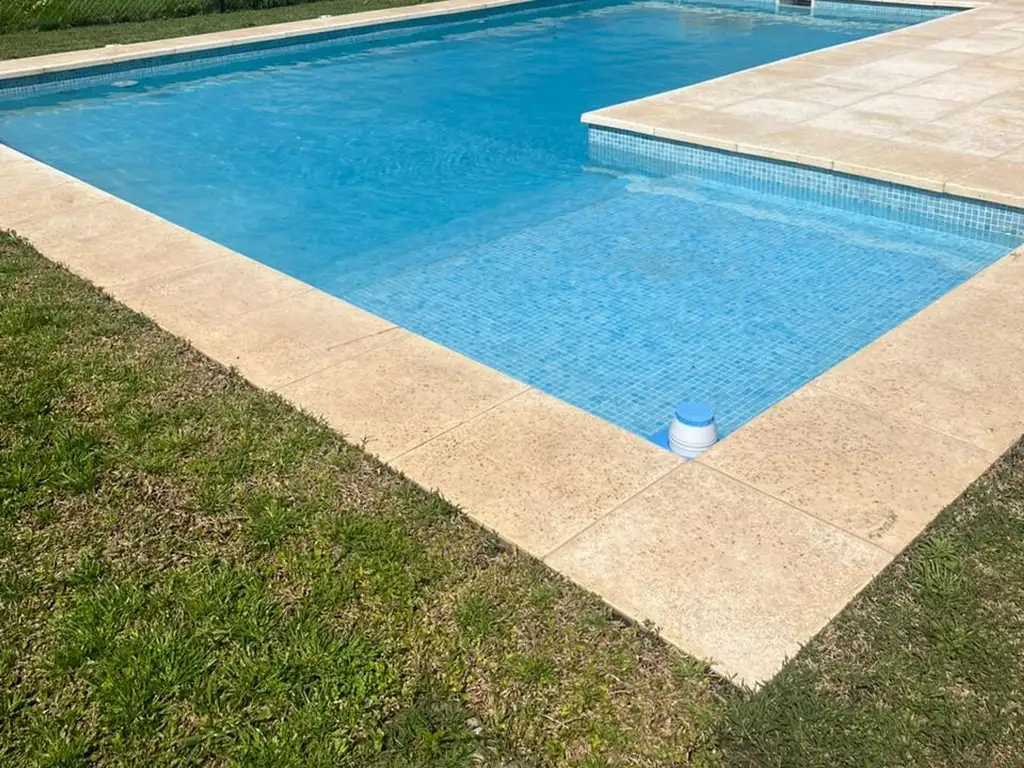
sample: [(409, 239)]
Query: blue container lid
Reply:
[(695, 414)]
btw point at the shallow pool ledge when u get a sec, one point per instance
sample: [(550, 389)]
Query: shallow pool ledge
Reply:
[(936, 106)]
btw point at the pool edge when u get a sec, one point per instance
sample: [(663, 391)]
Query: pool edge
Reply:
[(562, 481), (845, 133)]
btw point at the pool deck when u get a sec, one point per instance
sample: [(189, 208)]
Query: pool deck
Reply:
[(743, 555), (937, 106)]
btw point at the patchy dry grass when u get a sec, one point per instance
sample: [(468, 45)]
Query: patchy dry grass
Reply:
[(193, 572)]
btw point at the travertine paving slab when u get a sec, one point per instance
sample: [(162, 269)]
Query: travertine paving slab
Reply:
[(719, 92), (946, 92), (957, 137), (833, 95), (398, 395), (1009, 100), (10, 157), (903, 163), (709, 126), (819, 149), (988, 42), (1000, 288), (1008, 62), (1000, 180), (99, 216), (861, 469), (723, 570), (19, 174), (970, 84), (194, 302), (936, 369), (928, 61), (912, 108), (860, 121), (291, 339), (852, 54), (882, 76), (537, 470), (38, 194), (773, 106), (112, 243)]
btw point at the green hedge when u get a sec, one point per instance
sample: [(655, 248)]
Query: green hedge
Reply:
[(53, 14)]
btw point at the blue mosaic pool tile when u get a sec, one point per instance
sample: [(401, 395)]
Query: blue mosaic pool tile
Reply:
[(830, 9), (628, 151), (668, 290), (842, 10)]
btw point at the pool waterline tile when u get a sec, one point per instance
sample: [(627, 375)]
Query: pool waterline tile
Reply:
[(890, 199)]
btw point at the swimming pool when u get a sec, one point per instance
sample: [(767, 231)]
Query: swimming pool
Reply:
[(439, 177)]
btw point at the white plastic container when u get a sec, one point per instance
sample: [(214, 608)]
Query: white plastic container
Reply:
[(693, 430)]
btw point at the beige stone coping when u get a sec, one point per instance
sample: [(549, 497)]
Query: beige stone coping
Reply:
[(938, 106), (739, 557)]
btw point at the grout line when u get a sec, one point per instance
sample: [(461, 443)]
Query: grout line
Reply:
[(277, 387), (678, 468), (163, 274), (815, 384), (381, 332), (800, 510), (467, 420)]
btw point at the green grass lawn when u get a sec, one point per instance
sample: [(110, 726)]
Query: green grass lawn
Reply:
[(36, 43), (192, 572)]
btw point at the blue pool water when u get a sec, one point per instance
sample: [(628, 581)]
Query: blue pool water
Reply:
[(439, 177)]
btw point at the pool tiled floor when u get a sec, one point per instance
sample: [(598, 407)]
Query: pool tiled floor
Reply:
[(741, 556)]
